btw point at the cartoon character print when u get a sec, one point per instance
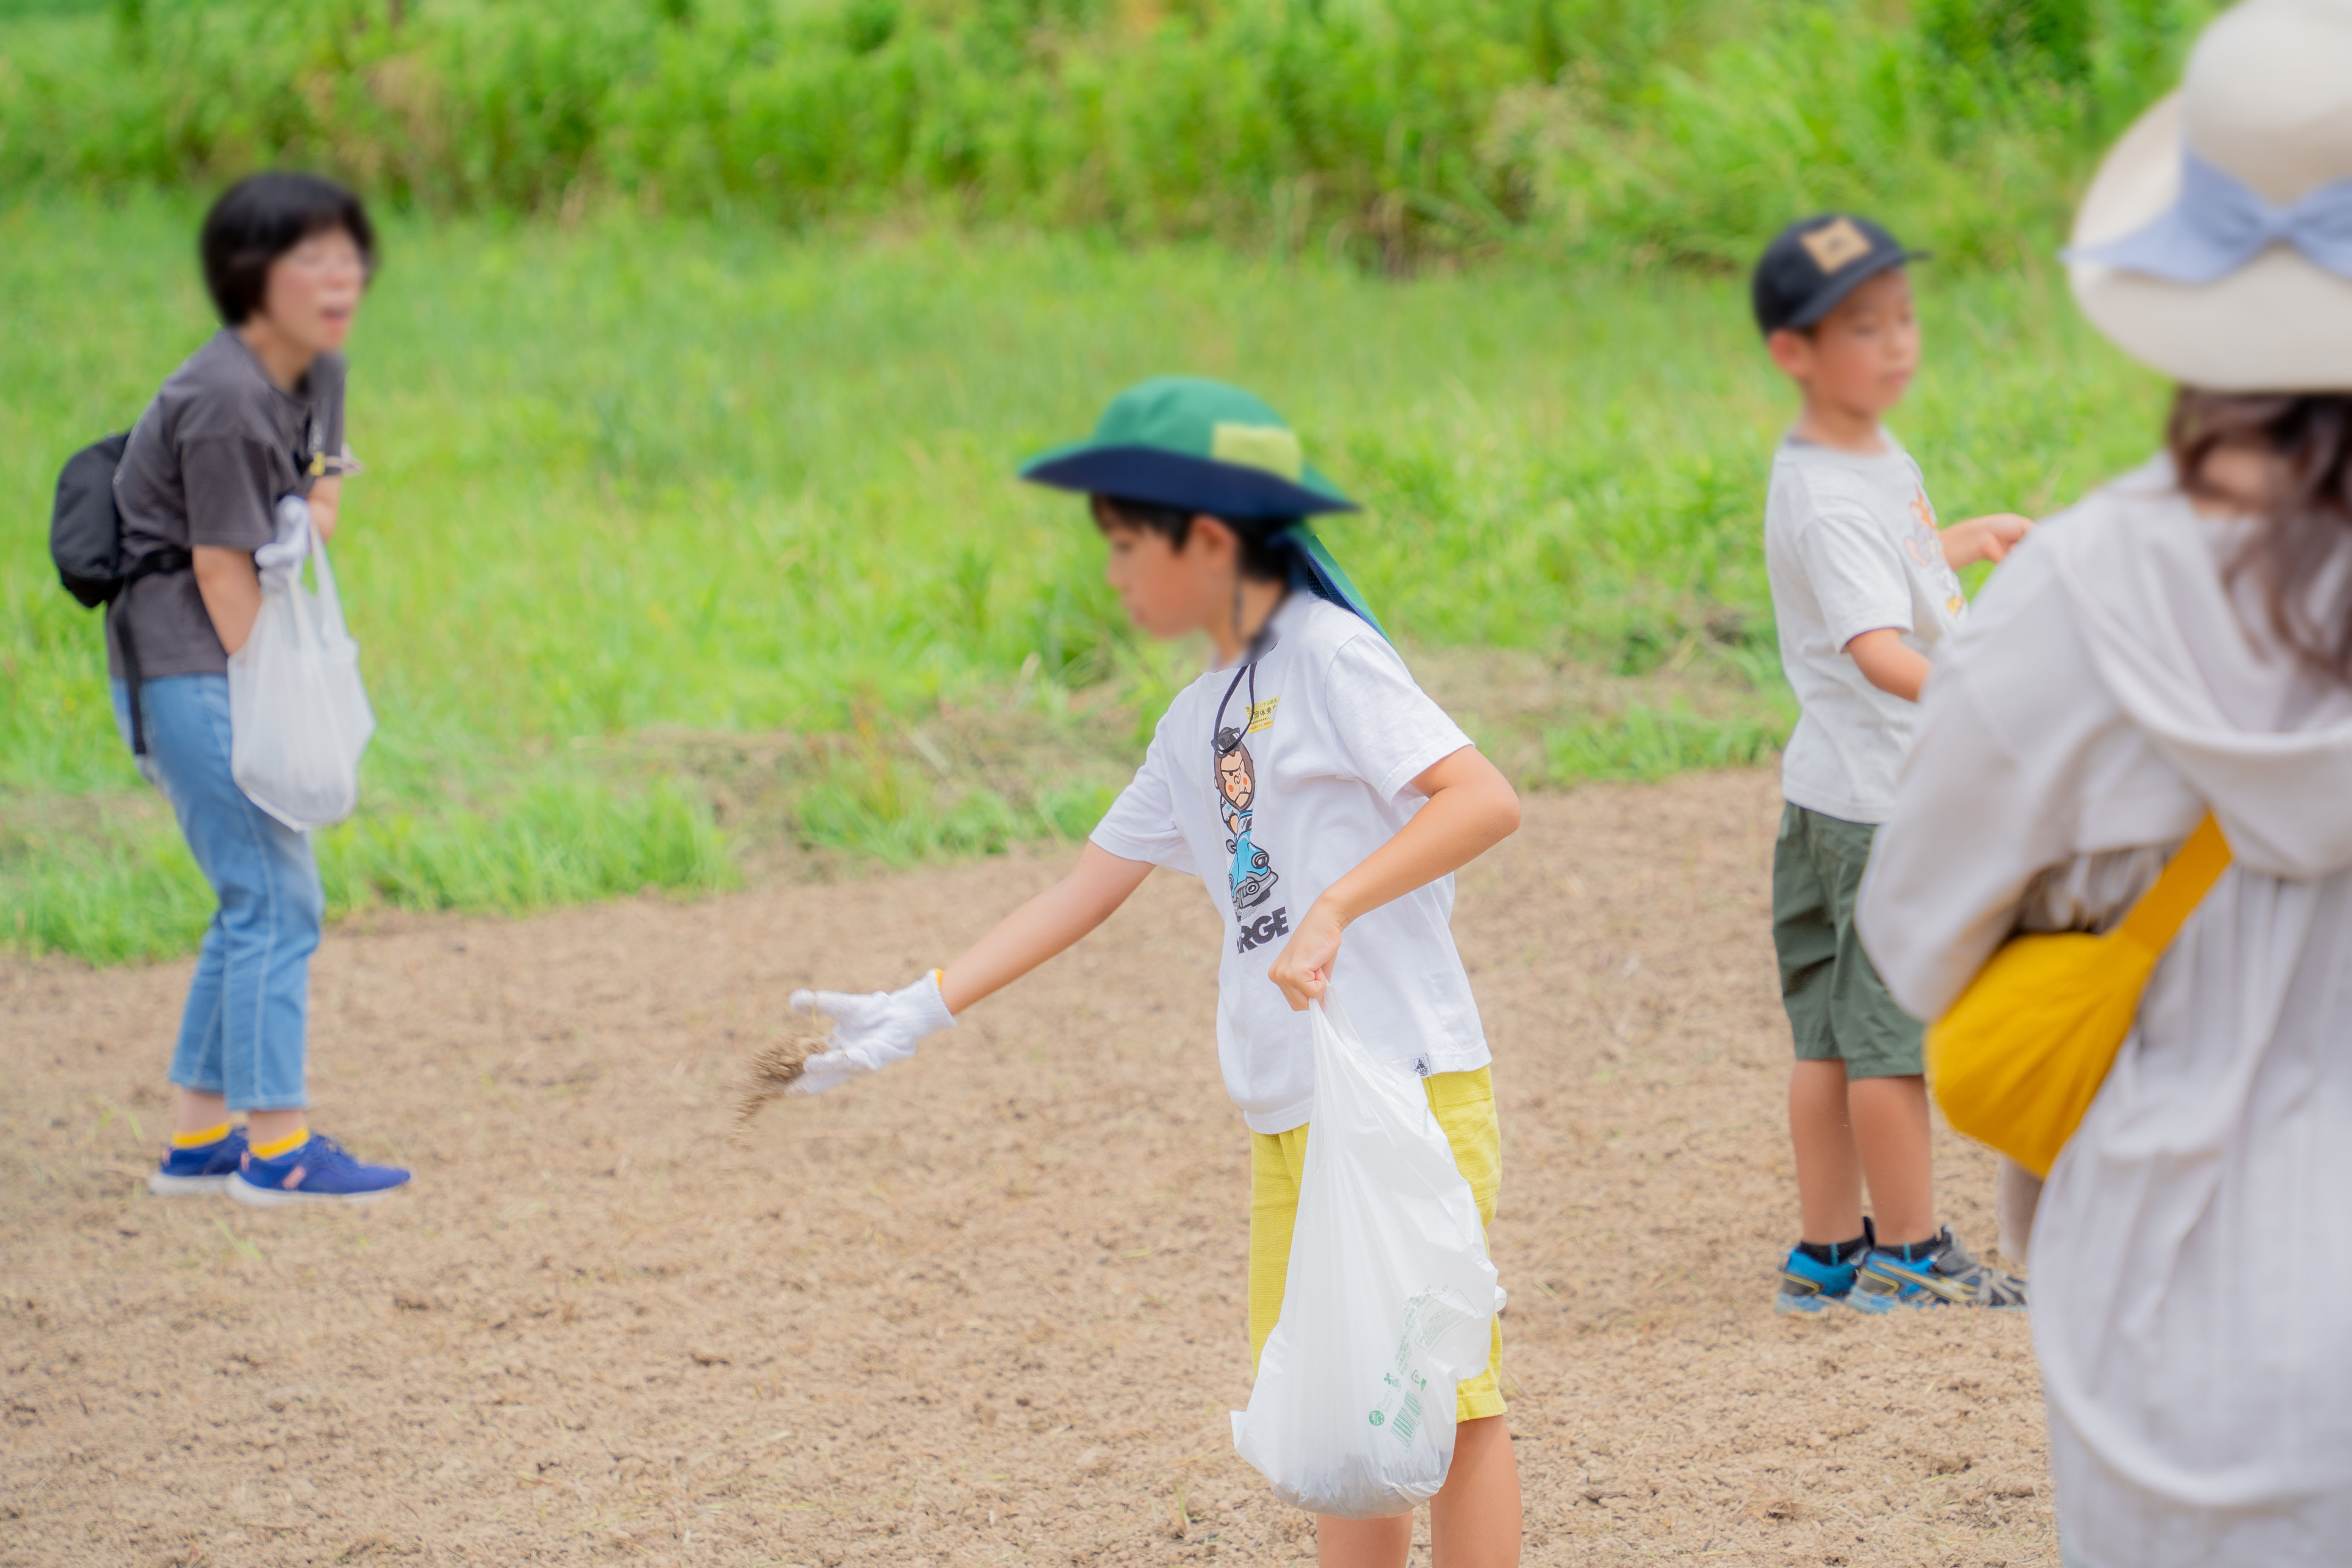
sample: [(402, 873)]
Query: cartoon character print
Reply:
[(1924, 544), (1253, 875)]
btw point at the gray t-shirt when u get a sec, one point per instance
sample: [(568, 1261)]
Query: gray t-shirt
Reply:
[(1851, 546), (206, 465)]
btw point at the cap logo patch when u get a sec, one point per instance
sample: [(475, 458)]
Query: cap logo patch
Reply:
[(1269, 448), (1834, 243)]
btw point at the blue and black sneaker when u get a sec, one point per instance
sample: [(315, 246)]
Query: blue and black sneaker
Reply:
[(206, 1168), (1939, 1272), (1818, 1275), (319, 1171)]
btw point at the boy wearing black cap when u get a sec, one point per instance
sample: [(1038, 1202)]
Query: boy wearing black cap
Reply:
[(1317, 792), (1863, 587)]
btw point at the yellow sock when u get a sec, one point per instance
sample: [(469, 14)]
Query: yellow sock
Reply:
[(283, 1146), (198, 1140)]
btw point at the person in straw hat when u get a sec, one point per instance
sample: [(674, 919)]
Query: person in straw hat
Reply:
[(2180, 642)]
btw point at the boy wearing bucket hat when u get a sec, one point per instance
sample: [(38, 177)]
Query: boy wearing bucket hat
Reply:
[(2179, 645), (1323, 800), (1863, 587)]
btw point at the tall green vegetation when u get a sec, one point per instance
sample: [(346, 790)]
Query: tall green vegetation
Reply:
[(689, 539), (1386, 131), (679, 530)]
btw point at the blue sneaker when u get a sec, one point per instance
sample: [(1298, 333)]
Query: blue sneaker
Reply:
[(1936, 1273), (319, 1171), (206, 1168), (1809, 1285)]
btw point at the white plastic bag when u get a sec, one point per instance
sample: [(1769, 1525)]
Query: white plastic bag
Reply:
[(299, 717), (1388, 1304)]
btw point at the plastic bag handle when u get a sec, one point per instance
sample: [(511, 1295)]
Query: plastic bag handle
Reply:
[(305, 633), (327, 598), (1316, 1009)]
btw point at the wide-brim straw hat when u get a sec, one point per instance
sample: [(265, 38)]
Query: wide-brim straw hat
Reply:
[(2216, 242)]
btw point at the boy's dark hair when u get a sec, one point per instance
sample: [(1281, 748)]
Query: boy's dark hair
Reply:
[(1260, 558), (259, 219), (2307, 525)]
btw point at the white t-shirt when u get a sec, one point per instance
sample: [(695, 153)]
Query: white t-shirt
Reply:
[(1322, 776), (1851, 545)]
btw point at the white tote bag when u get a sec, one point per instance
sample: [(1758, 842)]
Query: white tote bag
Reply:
[(299, 716), (1388, 1304)]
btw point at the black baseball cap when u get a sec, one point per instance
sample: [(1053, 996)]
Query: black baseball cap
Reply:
[(1817, 261)]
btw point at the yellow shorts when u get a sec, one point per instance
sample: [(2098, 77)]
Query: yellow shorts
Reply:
[(1465, 1104)]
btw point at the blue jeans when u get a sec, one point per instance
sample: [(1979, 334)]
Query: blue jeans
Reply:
[(244, 1029)]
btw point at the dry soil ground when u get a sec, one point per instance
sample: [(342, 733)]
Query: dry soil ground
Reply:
[(984, 1309)]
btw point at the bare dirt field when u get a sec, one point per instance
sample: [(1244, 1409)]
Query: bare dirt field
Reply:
[(986, 1308)]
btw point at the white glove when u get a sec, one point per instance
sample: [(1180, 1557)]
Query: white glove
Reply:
[(279, 562), (870, 1031)]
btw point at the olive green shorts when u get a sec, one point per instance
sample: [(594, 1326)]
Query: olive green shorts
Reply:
[(1838, 1007)]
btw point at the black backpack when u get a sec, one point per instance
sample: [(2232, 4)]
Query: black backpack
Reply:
[(86, 543)]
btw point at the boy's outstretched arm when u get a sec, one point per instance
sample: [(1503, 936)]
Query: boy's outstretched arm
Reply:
[(1988, 538), (873, 1030), (1886, 661), (1471, 808), (1045, 925)]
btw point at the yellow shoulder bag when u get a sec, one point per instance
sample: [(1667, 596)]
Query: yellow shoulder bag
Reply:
[(2018, 1056)]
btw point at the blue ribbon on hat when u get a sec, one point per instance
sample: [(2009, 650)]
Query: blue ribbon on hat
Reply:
[(1313, 569), (2219, 223)]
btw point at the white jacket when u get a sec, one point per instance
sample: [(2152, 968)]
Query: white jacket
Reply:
[(2192, 1261)]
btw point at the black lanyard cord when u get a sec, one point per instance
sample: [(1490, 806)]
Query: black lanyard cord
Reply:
[(1227, 741)]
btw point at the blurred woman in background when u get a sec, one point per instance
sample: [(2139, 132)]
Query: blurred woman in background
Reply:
[(235, 461), (2181, 643)]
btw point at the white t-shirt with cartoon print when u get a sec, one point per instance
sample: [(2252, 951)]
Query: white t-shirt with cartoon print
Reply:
[(1851, 545), (1315, 777)]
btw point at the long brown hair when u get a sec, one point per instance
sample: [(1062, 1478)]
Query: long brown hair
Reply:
[(2306, 521)]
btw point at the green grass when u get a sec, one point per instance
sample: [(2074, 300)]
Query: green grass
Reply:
[(688, 545), (108, 878), (1389, 132), (1645, 743)]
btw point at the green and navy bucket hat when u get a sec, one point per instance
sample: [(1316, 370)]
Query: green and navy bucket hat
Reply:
[(1184, 441), (1204, 446)]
